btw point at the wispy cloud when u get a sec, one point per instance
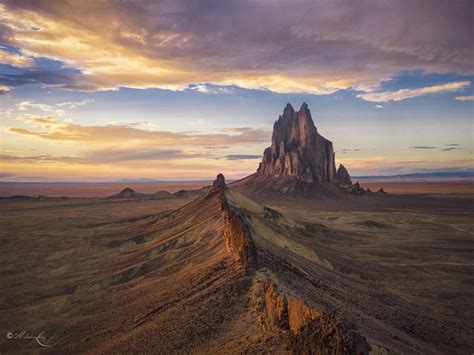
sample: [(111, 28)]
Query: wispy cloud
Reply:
[(241, 157), (404, 94), (104, 156), (57, 108), (445, 148), (448, 149), (465, 98), (74, 104), (53, 129), (347, 150), (211, 89)]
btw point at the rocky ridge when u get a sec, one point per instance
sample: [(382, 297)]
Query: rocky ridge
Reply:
[(277, 307)]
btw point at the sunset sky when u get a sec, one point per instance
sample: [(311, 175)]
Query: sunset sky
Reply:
[(181, 90)]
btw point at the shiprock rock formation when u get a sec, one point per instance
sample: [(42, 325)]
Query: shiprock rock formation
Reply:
[(299, 160), (298, 149)]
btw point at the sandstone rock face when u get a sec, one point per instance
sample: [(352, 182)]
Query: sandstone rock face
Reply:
[(298, 150), (309, 330), (342, 176), (237, 234), (238, 239), (219, 182)]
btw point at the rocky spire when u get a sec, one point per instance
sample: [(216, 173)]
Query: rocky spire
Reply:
[(219, 182), (298, 149), (342, 176)]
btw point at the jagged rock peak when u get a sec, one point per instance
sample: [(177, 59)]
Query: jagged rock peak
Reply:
[(342, 176), (219, 182), (298, 150)]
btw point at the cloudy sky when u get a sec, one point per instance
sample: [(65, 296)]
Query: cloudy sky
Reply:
[(181, 90)]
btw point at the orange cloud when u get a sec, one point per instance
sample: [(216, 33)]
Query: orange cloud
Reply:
[(57, 130)]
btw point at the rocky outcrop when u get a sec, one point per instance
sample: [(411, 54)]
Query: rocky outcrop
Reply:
[(161, 194), (298, 150), (271, 307), (237, 234), (299, 314), (308, 330), (342, 176), (327, 334), (219, 182), (238, 239), (128, 193), (356, 189)]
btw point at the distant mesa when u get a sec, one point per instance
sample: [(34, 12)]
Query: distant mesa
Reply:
[(161, 194), (128, 193)]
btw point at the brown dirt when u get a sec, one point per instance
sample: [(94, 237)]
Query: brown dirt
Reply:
[(446, 187), (111, 276)]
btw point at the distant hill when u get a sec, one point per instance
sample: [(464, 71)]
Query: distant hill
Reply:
[(131, 194), (431, 176)]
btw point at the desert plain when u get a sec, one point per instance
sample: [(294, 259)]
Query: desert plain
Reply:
[(108, 275)]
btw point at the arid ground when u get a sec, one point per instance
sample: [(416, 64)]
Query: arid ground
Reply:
[(98, 275), (93, 189), (108, 188)]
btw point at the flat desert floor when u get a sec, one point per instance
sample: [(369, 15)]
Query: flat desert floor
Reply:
[(93, 189), (105, 189), (401, 270)]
